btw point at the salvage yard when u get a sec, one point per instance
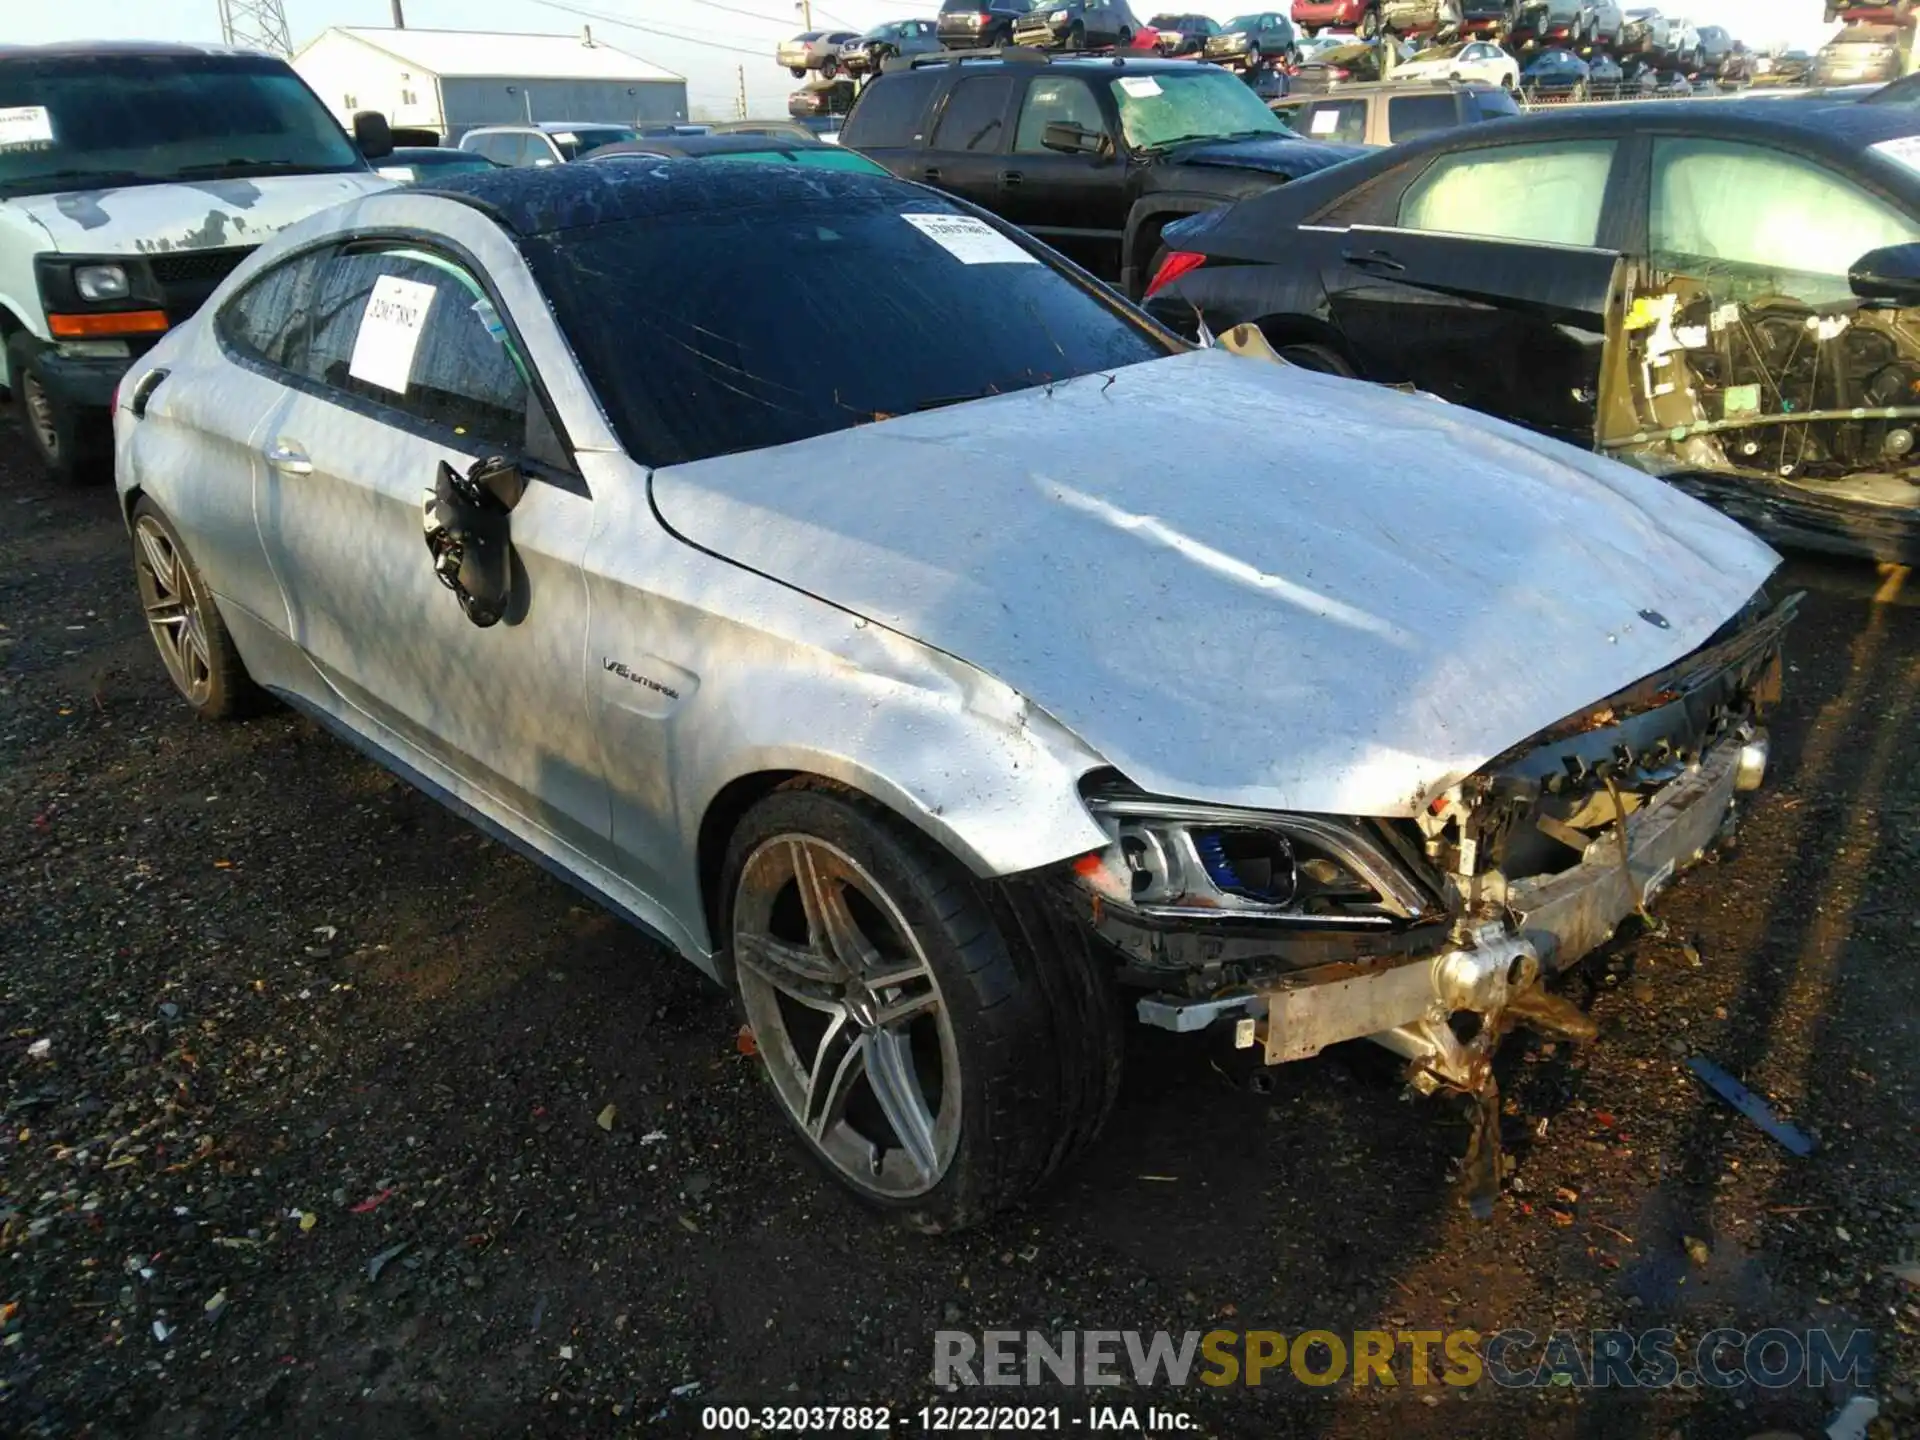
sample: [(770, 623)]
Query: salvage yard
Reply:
[(325, 1114)]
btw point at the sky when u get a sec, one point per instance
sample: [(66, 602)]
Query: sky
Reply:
[(708, 41)]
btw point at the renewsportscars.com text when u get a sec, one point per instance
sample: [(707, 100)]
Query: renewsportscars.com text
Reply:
[(1625, 1359)]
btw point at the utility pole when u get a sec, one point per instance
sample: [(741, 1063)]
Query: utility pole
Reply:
[(740, 100), (399, 16), (255, 25), (805, 7)]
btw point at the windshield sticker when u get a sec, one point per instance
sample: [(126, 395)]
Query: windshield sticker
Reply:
[(390, 329), (1325, 122), (25, 127), (1141, 87), (970, 241), (1902, 151)]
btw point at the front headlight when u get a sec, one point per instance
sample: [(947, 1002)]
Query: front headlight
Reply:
[(1173, 859), (101, 282), (1058, 15)]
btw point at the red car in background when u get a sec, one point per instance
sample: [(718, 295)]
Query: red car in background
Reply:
[(1360, 16)]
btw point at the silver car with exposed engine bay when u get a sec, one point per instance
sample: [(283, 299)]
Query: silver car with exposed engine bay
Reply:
[(937, 698)]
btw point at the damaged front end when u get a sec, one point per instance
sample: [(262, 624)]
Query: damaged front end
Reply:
[(1434, 936), (1798, 414)]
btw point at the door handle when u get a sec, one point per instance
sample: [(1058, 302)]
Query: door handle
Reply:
[(1013, 177), (931, 174), (1372, 260), (288, 459)]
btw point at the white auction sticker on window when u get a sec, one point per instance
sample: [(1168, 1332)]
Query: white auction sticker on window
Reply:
[(1325, 122), (25, 125), (1140, 86), (970, 241), (390, 329)]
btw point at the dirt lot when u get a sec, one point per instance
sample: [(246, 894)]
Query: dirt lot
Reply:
[(298, 1016)]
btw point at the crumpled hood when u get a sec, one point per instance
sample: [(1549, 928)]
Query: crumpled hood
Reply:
[(1290, 157), (1243, 582), (187, 214)]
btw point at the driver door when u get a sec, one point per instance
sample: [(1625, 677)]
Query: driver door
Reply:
[(1076, 203), (355, 440)]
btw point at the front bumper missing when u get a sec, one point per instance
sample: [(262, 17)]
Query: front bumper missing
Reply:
[(1495, 973), (1552, 922)]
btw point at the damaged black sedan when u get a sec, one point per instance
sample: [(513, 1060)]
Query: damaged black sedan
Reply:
[(1727, 296)]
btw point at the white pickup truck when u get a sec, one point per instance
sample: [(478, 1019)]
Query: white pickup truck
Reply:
[(133, 178)]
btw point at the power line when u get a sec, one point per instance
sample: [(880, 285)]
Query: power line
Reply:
[(775, 19), (623, 24)]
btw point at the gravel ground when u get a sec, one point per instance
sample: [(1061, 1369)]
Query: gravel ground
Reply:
[(305, 1083)]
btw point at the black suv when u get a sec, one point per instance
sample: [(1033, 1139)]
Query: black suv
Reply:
[(1093, 156), (969, 24)]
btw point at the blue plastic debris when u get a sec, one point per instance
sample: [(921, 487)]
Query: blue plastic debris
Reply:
[(1750, 1105)]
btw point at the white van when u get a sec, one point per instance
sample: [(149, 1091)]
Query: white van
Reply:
[(133, 178)]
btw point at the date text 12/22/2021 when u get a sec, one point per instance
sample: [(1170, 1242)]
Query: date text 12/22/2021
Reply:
[(1040, 1420)]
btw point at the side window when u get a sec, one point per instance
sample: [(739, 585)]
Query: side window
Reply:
[(890, 112), (462, 373), (1344, 121), (973, 118), (1721, 206), (268, 320), (1490, 105), (1413, 115), (1056, 100), (1544, 193)]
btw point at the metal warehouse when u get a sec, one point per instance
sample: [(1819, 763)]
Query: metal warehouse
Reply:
[(453, 80)]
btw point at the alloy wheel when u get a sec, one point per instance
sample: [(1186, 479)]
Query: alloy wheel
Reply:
[(39, 408), (847, 1016), (173, 608)]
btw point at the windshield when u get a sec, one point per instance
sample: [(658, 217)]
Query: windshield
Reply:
[(77, 122), (757, 346), (1246, 22), (1202, 103), (583, 141)]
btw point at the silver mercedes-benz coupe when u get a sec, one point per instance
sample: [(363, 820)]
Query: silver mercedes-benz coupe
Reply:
[(938, 671)]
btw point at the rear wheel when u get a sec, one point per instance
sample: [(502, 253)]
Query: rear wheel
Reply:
[(1370, 24), (1323, 358), (799, 71), (940, 1045), (1077, 37), (184, 622)]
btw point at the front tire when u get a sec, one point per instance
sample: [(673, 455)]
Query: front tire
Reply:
[(72, 445), (1322, 358), (941, 1045), (185, 623)]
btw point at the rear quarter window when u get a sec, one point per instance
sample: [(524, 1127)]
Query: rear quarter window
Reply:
[(891, 111), (1411, 116)]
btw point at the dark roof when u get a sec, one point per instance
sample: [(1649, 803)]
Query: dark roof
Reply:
[(156, 49), (539, 200), (1143, 64), (1832, 129), (689, 146)]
